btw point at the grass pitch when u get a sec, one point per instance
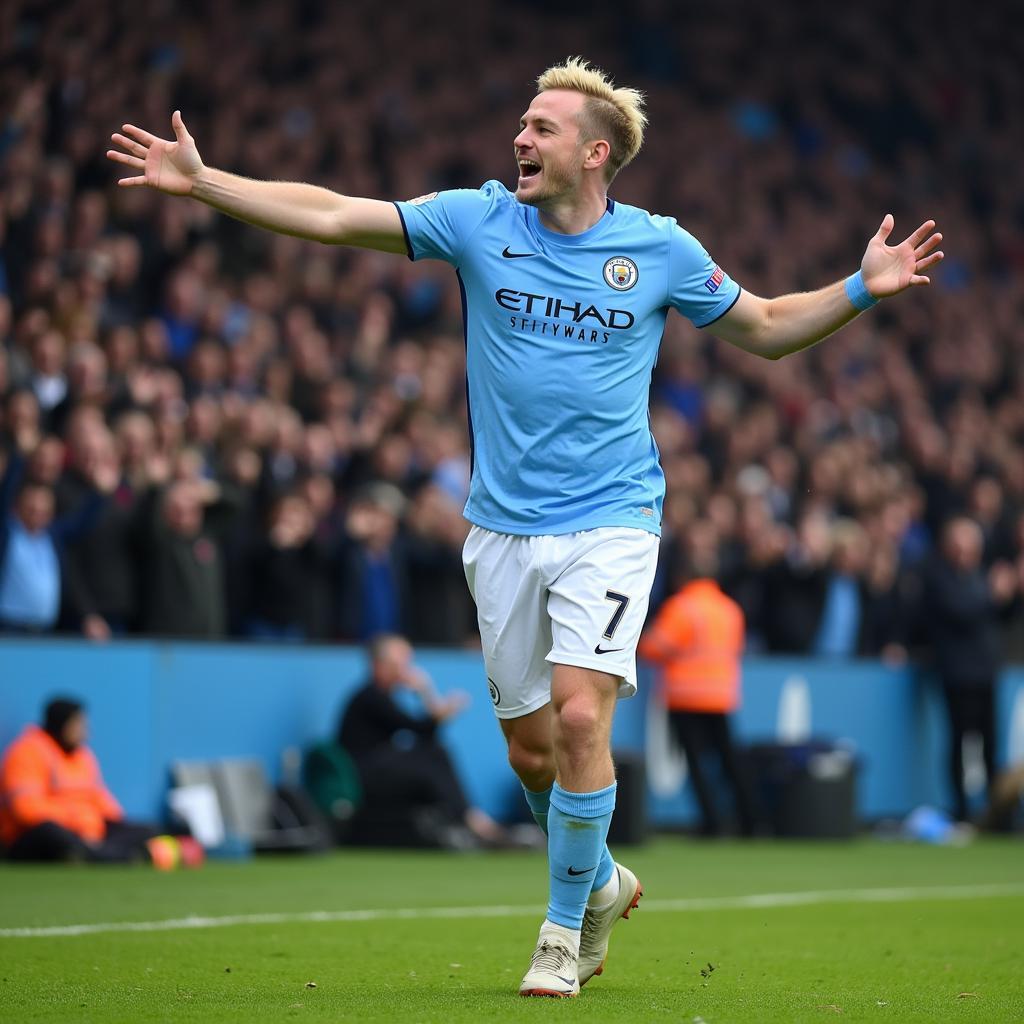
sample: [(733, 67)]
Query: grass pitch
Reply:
[(727, 932)]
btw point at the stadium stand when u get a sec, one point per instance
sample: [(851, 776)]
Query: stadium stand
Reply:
[(216, 364)]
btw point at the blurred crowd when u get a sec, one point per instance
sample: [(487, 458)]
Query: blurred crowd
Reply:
[(207, 430)]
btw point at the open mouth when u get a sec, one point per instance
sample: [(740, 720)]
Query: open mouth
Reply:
[(528, 168)]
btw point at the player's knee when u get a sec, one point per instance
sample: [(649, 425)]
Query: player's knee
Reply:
[(532, 764), (579, 722)]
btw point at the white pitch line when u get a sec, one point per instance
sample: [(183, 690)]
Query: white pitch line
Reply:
[(752, 901)]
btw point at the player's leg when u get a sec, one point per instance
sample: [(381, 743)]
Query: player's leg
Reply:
[(582, 798), (506, 578), (531, 754), (510, 578), (598, 603), (583, 795), (531, 751)]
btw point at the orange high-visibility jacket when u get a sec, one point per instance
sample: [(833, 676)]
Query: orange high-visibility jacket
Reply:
[(697, 639), (40, 782)]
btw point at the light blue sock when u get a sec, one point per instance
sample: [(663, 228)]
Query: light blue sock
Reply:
[(539, 809), (539, 806), (577, 830)]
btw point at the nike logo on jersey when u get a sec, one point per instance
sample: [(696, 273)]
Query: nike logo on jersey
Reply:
[(515, 255), (573, 871), (607, 650)]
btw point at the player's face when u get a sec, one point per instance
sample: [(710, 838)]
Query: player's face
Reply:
[(548, 148)]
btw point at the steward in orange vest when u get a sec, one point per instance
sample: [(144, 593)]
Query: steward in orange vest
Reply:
[(53, 802), (41, 781), (697, 641)]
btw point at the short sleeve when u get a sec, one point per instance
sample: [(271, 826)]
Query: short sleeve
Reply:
[(437, 226), (697, 286)]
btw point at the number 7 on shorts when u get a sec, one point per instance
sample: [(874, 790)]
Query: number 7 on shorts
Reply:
[(613, 623)]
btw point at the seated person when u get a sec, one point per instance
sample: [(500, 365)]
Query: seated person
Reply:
[(417, 773), (54, 805)]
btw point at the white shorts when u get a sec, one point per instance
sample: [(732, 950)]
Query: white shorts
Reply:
[(572, 599)]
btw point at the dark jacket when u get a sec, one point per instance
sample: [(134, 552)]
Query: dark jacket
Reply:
[(102, 567), (288, 586), (184, 591), (371, 720), (795, 598), (439, 609), (963, 625), (352, 568)]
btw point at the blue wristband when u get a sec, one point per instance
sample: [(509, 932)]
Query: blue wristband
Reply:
[(858, 294)]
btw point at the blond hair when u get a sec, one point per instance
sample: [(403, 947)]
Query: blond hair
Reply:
[(616, 115)]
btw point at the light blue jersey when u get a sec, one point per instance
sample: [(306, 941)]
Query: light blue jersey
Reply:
[(562, 333)]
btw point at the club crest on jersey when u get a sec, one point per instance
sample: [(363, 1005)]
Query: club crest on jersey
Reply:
[(621, 273), (420, 200)]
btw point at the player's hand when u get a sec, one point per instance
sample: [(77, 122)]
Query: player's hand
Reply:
[(889, 269), (170, 167)]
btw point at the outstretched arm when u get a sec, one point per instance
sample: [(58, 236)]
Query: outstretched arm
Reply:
[(290, 208), (776, 327)]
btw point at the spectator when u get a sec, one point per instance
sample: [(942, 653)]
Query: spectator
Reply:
[(54, 805), (760, 544), (86, 382), (102, 578), (184, 586), (46, 464), (400, 759), (888, 603), (136, 308), (32, 542), (843, 613), (440, 608), (287, 585), (962, 614), (1014, 636), (49, 382), (372, 567), (23, 426), (798, 584)]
